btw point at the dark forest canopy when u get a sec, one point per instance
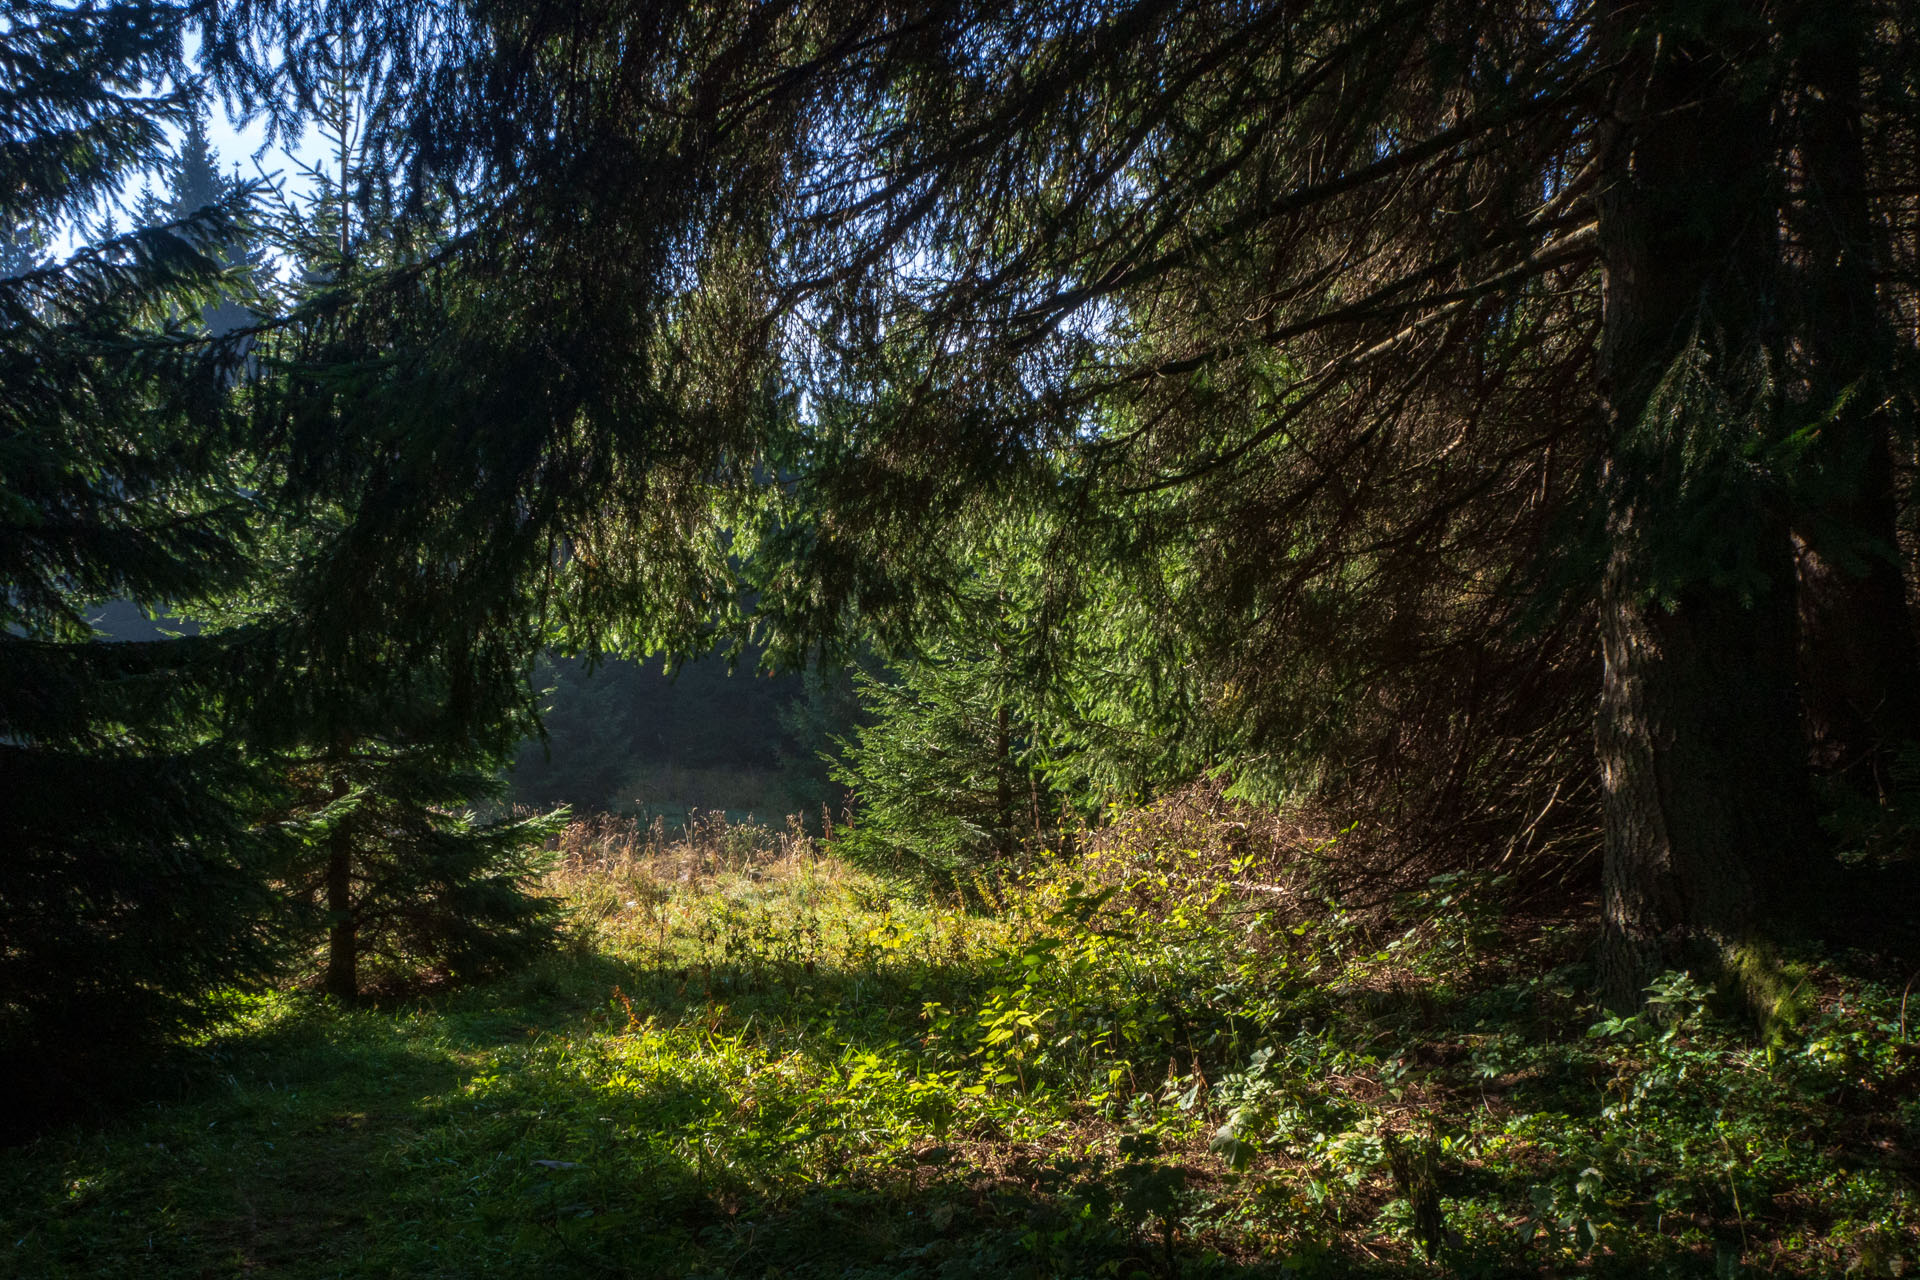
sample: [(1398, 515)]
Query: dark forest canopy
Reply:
[(1492, 422), (1423, 369), (130, 844)]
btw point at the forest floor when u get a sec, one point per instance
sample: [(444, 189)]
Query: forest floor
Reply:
[(751, 1061)]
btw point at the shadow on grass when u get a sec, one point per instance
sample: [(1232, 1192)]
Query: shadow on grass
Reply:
[(549, 1172), (512, 1129), (273, 1159), (867, 1008)]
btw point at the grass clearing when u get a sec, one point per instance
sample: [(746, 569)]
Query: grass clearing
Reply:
[(753, 1062)]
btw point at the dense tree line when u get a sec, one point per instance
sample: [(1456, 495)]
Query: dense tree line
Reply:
[(639, 737), (1433, 365), (1473, 357), (1495, 417), (133, 880), (190, 815)]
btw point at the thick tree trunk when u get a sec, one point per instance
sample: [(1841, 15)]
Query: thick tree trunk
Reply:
[(1698, 734), (343, 960), (1859, 663), (1705, 802)]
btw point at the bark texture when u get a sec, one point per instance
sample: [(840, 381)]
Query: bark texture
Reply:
[(1860, 666), (1699, 741)]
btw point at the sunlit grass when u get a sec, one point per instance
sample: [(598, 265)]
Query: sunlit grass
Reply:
[(751, 1061)]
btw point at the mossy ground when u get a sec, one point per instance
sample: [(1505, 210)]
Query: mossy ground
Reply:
[(1134, 1065)]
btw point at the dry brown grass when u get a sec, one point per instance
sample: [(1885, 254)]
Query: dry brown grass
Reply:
[(633, 883), (1202, 838), (707, 846)]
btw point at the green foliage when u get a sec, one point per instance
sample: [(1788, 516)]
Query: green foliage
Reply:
[(133, 889), (945, 773), (193, 182), (1026, 702), (1290, 325), (1128, 1069), (384, 724), (435, 890)]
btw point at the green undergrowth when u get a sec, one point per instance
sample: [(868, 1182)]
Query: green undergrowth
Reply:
[(1139, 1064)]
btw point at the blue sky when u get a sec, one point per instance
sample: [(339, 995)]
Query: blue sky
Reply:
[(237, 146)]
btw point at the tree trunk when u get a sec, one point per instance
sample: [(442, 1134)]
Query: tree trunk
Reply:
[(343, 977), (1003, 776), (1705, 801), (1698, 734), (1859, 663)]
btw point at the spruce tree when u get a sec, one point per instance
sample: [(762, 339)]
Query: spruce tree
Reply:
[(1707, 800), (1454, 337), (945, 773), (134, 887), (388, 736), (194, 182), (413, 871)]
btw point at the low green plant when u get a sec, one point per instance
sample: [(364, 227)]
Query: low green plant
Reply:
[(776, 1066)]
